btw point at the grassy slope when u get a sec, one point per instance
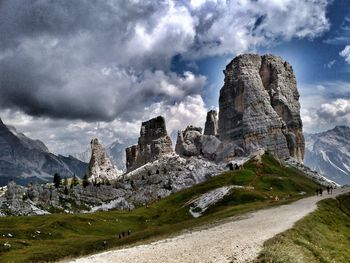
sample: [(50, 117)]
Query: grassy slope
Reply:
[(323, 236), (64, 235)]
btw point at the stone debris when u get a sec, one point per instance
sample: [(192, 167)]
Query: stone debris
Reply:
[(314, 175), (202, 203)]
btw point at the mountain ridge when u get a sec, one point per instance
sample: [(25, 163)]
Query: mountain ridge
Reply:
[(25, 160), (328, 152)]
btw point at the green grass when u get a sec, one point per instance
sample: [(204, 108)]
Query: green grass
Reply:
[(323, 236), (63, 235)]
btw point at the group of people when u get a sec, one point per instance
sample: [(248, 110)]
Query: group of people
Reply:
[(329, 188), (121, 235)]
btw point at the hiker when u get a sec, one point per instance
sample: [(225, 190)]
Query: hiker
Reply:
[(104, 243), (123, 234), (129, 232), (327, 189), (321, 190), (317, 191), (331, 189)]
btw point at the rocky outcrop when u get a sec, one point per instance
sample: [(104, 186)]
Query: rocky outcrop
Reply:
[(153, 143), (211, 123), (38, 199), (100, 166), (191, 142), (167, 175), (259, 106)]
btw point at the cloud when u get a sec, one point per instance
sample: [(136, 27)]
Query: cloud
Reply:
[(324, 105), (330, 64), (73, 136), (345, 53), (341, 35), (337, 111), (110, 59)]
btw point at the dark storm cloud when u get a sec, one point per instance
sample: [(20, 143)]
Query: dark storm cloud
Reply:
[(101, 60)]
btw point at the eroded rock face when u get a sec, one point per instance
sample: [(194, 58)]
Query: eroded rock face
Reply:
[(191, 142), (153, 143), (211, 123), (259, 106), (100, 166)]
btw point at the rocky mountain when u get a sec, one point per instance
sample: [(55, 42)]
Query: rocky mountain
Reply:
[(329, 153), (100, 166), (259, 106), (25, 160)]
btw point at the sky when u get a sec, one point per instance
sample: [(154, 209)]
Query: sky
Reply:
[(71, 71)]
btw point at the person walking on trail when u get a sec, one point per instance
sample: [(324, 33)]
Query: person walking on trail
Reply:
[(321, 190)]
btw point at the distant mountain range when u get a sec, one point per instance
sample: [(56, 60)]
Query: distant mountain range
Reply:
[(25, 160), (329, 153)]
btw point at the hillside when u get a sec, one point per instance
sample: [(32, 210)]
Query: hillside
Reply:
[(329, 153), (323, 236), (50, 237)]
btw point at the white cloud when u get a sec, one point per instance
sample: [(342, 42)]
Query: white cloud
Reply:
[(345, 53), (73, 136), (324, 105), (330, 64), (190, 111)]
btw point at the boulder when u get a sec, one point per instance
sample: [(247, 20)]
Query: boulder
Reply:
[(191, 142)]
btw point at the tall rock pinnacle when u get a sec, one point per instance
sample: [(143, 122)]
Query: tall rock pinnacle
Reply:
[(259, 106), (211, 123), (153, 142), (100, 166)]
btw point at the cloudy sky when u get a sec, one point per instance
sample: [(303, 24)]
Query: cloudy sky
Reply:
[(74, 70)]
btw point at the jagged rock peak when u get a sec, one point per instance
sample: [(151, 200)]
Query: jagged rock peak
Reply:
[(211, 123), (153, 143), (259, 106), (100, 166)]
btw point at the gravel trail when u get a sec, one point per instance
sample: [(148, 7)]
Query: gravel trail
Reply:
[(236, 240)]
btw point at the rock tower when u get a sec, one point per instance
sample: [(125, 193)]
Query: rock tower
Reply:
[(100, 166), (211, 123), (259, 106), (153, 142)]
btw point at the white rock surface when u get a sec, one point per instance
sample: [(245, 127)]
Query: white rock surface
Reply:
[(100, 166), (202, 203), (314, 175)]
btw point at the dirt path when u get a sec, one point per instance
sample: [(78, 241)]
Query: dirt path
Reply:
[(233, 241)]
